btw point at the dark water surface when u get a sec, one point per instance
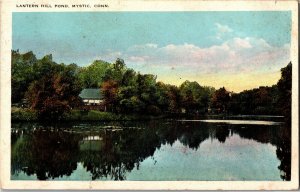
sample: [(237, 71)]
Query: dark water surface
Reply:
[(152, 150)]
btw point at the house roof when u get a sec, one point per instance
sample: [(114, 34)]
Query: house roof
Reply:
[(91, 94)]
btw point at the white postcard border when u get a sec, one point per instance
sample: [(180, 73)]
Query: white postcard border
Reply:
[(7, 7)]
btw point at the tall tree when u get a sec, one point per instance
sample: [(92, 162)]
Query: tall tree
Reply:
[(92, 75), (220, 100), (110, 90), (115, 71), (285, 91), (195, 98), (54, 94), (22, 73), (146, 92)]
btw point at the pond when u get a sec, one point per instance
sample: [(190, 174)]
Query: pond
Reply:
[(160, 150)]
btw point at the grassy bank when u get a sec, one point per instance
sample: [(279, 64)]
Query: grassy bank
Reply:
[(19, 114)]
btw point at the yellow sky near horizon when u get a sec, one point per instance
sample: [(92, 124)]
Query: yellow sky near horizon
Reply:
[(232, 82)]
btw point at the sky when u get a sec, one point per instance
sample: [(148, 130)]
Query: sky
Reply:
[(237, 50)]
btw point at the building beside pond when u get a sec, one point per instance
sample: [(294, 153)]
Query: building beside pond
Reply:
[(92, 98)]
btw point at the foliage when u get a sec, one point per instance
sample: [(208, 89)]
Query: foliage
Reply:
[(23, 115), (92, 75), (285, 91), (52, 89), (109, 90), (55, 92), (220, 100), (195, 98), (97, 115), (274, 100), (259, 101), (22, 73), (190, 96)]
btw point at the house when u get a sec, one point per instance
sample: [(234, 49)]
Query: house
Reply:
[(91, 96)]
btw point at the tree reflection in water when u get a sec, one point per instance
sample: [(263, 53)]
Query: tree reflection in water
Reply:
[(108, 151), (44, 153)]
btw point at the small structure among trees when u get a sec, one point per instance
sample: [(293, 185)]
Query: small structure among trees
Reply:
[(91, 96), (53, 90)]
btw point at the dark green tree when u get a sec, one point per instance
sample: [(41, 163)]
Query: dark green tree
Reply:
[(22, 73), (92, 75), (195, 98), (220, 100), (285, 91)]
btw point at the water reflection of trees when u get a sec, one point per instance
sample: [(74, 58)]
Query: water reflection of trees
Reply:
[(279, 137), (46, 155), (119, 153), (112, 153)]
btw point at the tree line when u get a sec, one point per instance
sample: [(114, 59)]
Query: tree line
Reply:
[(52, 89)]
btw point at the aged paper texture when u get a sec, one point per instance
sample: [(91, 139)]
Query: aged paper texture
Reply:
[(149, 95)]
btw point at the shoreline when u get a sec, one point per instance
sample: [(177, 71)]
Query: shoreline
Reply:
[(76, 115), (27, 115)]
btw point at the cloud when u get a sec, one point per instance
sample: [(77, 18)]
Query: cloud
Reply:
[(110, 55), (138, 58), (222, 30), (236, 55), (241, 43)]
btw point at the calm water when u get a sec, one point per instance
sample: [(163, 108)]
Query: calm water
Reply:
[(152, 150)]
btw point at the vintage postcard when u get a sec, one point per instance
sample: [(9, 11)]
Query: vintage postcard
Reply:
[(149, 95)]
